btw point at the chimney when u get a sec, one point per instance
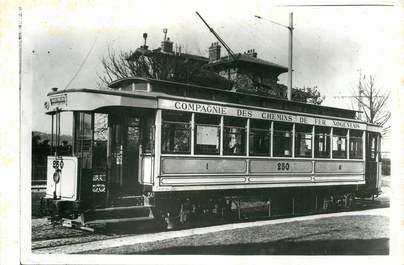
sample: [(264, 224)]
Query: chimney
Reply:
[(251, 53), (166, 44), (214, 52)]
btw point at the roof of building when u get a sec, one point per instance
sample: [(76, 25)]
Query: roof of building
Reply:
[(247, 60), (183, 54), (147, 52)]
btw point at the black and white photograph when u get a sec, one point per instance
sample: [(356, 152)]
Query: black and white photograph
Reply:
[(194, 132)]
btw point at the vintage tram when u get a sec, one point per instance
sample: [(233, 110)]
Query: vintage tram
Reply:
[(150, 149)]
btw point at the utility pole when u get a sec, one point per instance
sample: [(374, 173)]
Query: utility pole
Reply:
[(359, 102), (290, 53), (290, 66)]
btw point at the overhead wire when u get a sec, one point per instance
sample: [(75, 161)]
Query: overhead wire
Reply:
[(82, 63)]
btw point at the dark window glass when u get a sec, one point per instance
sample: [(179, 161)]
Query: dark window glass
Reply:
[(176, 116), (207, 134), (260, 138), (339, 143), (176, 133), (322, 142), (148, 137), (65, 144), (372, 148), (282, 139), (303, 141), (133, 134), (355, 144), (100, 140), (234, 137), (83, 138)]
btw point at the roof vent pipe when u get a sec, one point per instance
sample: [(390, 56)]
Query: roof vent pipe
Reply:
[(166, 44), (145, 38)]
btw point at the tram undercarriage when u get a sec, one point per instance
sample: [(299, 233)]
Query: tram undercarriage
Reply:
[(174, 210), (181, 208)]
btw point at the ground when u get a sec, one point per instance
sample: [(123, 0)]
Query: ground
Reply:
[(354, 233), (349, 235)]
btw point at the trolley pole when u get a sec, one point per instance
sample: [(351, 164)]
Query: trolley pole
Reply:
[(290, 60)]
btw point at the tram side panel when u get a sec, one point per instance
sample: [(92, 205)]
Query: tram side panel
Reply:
[(200, 173), (146, 170), (62, 178)]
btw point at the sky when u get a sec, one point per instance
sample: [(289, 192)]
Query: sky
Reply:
[(332, 44)]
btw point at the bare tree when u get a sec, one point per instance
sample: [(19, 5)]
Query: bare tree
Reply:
[(372, 101), (177, 67), (309, 95), (116, 66)]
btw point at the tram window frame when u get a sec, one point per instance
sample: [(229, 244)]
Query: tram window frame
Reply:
[(101, 140), (148, 135), (307, 131), (339, 143), (260, 138), (206, 122), (282, 139), (372, 148), (234, 136), (322, 140), (83, 137), (175, 128), (355, 140), (66, 128), (133, 137)]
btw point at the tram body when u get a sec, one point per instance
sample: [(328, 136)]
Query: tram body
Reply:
[(147, 148)]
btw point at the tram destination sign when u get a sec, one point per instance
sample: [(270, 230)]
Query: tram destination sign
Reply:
[(58, 100), (256, 114)]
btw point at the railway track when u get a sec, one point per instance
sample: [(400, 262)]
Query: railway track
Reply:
[(48, 236)]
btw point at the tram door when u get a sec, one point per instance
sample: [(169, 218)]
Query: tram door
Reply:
[(124, 155), (372, 160)]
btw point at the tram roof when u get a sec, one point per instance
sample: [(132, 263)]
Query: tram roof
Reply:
[(209, 93)]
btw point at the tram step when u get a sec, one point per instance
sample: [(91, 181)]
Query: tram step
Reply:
[(129, 201), (123, 212), (119, 220), (119, 208)]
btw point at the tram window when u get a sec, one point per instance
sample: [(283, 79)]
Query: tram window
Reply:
[(234, 136), (83, 138), (303, 140), (65, 145), (372, 147), (148, 137), (100, 140), (322, 142), (176, 116), (260, 138), (133, 134), (339, 143), (282, 139), (141, 86), (176, 133), (355, 144), (207, 134)]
